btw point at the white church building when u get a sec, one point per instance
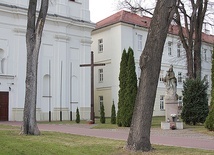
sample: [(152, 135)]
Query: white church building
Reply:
[(125, 29), (66, 43)]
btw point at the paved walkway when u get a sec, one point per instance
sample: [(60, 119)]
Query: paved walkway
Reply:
[(181, 138)]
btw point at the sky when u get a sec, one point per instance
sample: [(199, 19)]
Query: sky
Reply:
[(101, 9)]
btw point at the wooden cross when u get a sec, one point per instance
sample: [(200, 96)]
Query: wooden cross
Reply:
[(92, 65)]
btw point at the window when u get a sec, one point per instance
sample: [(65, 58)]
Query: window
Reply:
[(138, 75), (179, 77), (205, 54), (161, 76), (169, 48), (100, 75), (162, 102), (206, 78), (179, 50), (2, 60), (46, 86), (138, 72), (140, 47), (100, 45), (101, 100), (180, 102)]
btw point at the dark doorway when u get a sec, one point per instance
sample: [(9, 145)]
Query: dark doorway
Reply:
[(4, 106)]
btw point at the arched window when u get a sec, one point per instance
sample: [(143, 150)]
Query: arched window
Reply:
[(2, 59), (46, 85), (74, 89)]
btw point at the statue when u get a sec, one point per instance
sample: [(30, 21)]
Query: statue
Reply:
[(170, 82)]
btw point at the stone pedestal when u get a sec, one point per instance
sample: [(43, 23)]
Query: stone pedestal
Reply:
[(165, 125), (171, 108), (179, 125), (171, 113)]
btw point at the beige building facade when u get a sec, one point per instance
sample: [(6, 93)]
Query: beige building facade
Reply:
[(125, 29)]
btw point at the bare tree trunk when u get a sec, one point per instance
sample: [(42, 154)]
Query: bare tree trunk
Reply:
[(193, 29), (150, 63), (186, 36), (33, 42), (202, 8)]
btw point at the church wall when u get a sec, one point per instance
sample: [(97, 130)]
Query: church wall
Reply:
[(77, 10), (65, 41)]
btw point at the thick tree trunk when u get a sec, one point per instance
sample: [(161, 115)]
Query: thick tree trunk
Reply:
[(33, 42), (190, 66), (150, 63)]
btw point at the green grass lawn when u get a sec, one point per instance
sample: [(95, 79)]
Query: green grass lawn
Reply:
[(54, 143)]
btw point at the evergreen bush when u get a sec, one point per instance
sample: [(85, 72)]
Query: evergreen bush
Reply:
[(130, 90), (122, 85), (102, 114), (77, 116), (209, 123), (195, 101), (113, 114)]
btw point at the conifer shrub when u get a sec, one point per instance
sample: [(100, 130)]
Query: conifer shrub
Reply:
[(102, 114), (130, 90), (122, 85), (77, 116), (195, 101), (209, 123), (113, 114)]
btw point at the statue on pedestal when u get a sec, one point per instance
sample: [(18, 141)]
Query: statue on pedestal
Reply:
[(171, 102), (170, 82)]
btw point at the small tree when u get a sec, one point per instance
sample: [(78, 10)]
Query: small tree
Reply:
[(113, 114), (77, 116), (102, 114), (209, 123), (122, 85), (130, 90), (195, 101)]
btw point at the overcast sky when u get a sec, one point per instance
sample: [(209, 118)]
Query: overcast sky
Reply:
[(101, 9)]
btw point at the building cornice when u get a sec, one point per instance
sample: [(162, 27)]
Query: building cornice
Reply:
[(7, 76), (50, 17)]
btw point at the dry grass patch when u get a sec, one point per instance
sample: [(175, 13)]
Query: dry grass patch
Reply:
[(54, 143)]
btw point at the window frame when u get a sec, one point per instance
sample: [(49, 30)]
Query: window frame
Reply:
[(101, 101), (169, 48), (100, 75), (180, 102), (140, 42), (178, 50), (180, 78), (161, 76), (162, 104), (205, 55), (100, 45)]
